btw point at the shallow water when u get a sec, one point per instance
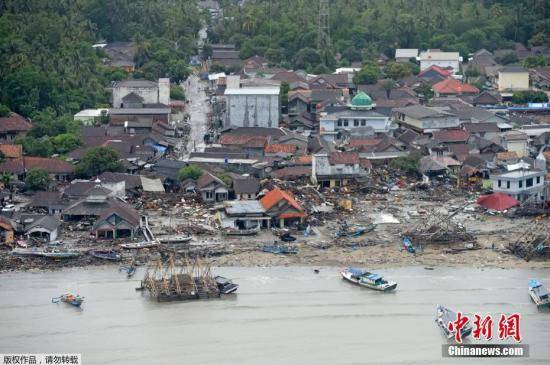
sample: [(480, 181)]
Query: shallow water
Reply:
[(280, 315)]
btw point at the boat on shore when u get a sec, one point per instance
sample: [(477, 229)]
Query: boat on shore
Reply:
[(226, 286), (55, 254), (407, 244), (175, 239), (367, 279), (354, 230), (139, 245), (18, 251), (444, 316), (240, 232), (539, 294), (69, 298), (280, 250), (106, 255)]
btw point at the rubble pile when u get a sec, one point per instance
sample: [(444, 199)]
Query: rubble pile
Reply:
[(534, 241), (438, 228)]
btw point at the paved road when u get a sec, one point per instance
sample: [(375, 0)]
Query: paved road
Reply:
[(198, 108)]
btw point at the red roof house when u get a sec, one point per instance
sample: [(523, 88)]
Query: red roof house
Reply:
[(436, 69), (52, 166), (11, 150), (451, 136), (452, 86), (497, 201), (12, 126), (281, 206)]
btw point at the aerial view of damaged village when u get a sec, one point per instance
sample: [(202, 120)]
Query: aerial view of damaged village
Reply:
[(274, 182)]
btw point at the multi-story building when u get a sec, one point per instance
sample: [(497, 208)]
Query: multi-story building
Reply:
[(520, 184), (252, 107)]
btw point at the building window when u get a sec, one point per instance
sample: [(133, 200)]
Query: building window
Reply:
[(345, 123), (507, 184), (499, 183), (339, 123), (529, 182), (520, 184), (208, 195), (538, 179), (356, 123), (363, 123)]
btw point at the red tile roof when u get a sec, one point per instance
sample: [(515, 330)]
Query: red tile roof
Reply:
[(241, 140), (443, 72), (451, 135), (359, 142), (510, 155), (279, 147), (275, 196), (452, 86), (11, 150), (14, 123), (292, 172), (303, 160), (343, 158), (50, 165)]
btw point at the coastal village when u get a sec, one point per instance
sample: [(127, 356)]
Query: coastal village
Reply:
[(261, 165)]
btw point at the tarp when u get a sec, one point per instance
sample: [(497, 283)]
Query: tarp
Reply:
[(497, 201)]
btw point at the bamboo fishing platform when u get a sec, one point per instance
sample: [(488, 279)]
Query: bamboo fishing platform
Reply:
[(179, 280)]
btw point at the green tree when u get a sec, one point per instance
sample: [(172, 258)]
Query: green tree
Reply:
[(4, 111), (368, 74), (190, 172), (98, 160), (285, 88), (534, 61), (176, 92), (397, 71), (66, 142), (528, 96), (6, 178), (409, 164), (37, 179), (388, 85), (424, 91), (507, 58)]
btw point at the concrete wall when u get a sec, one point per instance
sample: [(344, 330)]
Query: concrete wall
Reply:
[(149, 95), (253, 111), (513, 81), (164, 91)]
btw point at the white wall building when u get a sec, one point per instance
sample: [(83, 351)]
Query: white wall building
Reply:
[(520, 184), (252, 107), (151, 92), (442, 59)]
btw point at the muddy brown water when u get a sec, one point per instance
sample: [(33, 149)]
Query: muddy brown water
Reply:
[(281, 315)]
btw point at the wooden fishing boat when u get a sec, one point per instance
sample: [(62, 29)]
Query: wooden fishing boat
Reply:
[(280, 250), (444, 316), (367, 279), (539, 294), (240, 232), (106, 255), (55, 254), (175, 239), (226, 286), (139, 245), (26, 251), (354, 230), (69, 298)]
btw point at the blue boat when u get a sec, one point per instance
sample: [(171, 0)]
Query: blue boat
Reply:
[(69, 298), (539, 294), (280, 250), (407, 243), (367, 279)]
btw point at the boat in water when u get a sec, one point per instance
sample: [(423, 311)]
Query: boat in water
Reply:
[(106, 255), (226, 286), (407, 243), (367, 279), (539, 294), (280, 250), (444, 316), (175, 239), (139, 245), (69, 298)]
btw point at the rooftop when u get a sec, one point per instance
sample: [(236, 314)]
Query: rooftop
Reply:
[(253, 91)]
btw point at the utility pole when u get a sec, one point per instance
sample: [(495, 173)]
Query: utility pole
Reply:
[(323, 36)]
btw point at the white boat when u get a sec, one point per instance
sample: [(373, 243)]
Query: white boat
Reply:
[(367, 279), (444, 316), (139, 245), (539, 294), (175, 239)]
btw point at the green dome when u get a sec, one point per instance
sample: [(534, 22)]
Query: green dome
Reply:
[(361, 100)]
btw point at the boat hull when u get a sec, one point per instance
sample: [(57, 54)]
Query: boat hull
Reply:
[(346, 275), (538, 302)]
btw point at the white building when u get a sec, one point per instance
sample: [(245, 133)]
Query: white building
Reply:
[(520, 184), (336, 168), (150, 92), (405, 54), (90, 116), (252, 107), (442, 59), (357, 116)]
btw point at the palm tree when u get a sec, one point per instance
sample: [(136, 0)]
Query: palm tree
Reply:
[(5, 178)]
